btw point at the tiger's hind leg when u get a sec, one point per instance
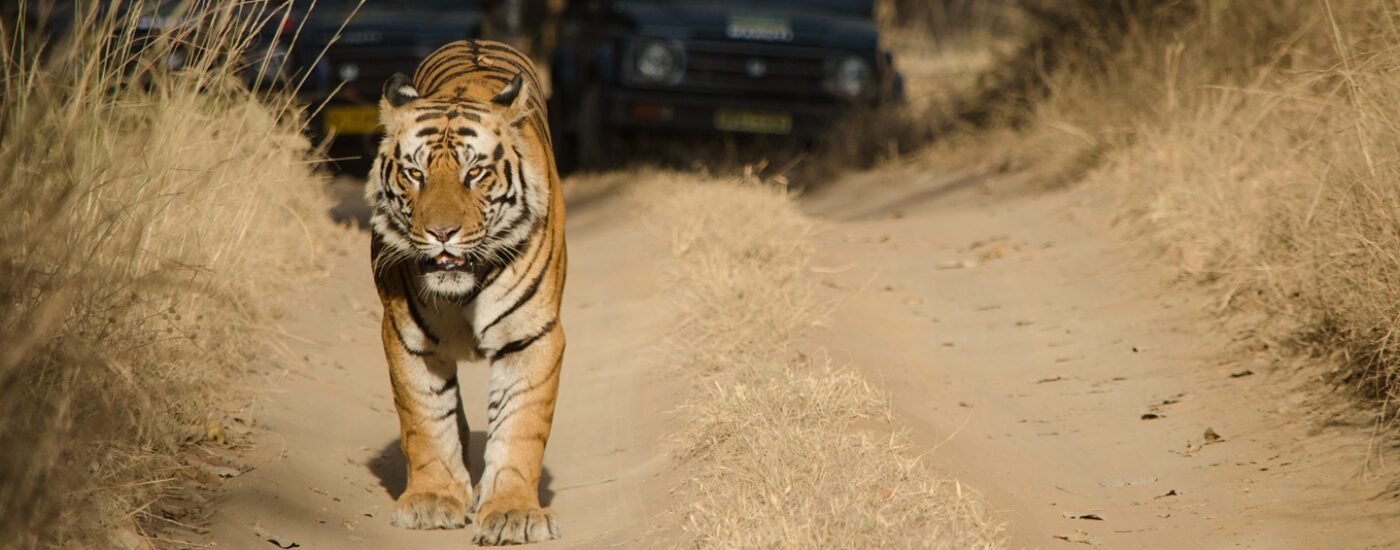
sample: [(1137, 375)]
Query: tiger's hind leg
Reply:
[(524, 387), (432, 430)]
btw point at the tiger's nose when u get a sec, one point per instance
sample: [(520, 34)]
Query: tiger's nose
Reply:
[(443, 233)]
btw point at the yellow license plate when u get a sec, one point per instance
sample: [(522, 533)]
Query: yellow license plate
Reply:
[(352, 120), (755, 122)]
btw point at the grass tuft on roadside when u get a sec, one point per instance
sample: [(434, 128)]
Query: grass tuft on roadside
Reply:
[(782, 450), (152, 219)]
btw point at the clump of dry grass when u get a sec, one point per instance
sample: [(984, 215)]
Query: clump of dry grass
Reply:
[(771, 456), (729, 237), (151, 219)]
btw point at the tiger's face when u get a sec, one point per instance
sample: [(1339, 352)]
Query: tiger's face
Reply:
[(449, 188)]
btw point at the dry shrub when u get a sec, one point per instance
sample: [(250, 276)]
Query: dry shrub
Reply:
[(1256, 139), (151, 220), (770, 454)]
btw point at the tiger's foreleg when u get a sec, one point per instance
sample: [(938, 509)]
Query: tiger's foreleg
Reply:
[(524, 386), (431, 429)]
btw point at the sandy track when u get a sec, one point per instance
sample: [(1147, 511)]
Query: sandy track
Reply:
[(325, 458), (1023, 341), (1020, 340)]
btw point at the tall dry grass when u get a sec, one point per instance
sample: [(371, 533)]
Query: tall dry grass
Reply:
[(777, 451), (1257, 140), (150, 220)]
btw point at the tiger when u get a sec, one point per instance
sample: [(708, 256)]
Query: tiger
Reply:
[(468, 255)]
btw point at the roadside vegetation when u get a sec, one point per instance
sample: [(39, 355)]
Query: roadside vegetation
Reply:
[(1256, 140), (780, 449), (152, 219)]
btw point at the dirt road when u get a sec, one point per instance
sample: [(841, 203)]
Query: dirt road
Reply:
[(1035, 354), (1051, 362)]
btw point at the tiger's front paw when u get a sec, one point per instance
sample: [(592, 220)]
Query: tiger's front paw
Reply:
[(503, 526), (429, 510)]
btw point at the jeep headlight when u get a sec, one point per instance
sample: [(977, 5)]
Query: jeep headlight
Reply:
[(658, 62), (851, 78)]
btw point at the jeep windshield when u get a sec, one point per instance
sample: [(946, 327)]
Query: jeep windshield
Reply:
[(864, 8)]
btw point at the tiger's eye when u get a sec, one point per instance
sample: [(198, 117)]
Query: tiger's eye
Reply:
[(415, 174), (474, 172)]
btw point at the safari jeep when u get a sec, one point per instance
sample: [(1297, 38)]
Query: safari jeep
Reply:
[(780, 67)]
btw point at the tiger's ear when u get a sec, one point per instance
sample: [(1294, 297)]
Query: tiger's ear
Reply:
[(515, 97), (399, 91)]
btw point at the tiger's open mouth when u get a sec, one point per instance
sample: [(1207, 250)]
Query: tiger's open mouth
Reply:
[(448, 262)]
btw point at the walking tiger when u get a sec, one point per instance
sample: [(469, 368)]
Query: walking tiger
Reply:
[(469, 261)]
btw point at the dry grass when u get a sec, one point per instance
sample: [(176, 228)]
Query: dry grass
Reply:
[(151, 219), (1256, 140), (772, 454)]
